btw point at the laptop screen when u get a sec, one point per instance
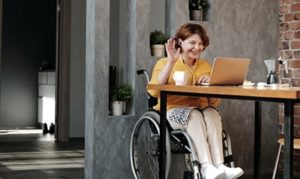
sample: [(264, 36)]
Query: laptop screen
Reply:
[(229, 71)]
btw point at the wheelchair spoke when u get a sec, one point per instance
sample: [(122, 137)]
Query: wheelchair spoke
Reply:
[(154, 167), (145, 148), (146, 151)]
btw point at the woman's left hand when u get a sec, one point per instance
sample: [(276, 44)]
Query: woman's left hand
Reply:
[(203, 79), (172, 52)]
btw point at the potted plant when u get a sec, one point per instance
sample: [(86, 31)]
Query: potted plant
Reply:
[(157, 43), (121, 94), (196, 9)]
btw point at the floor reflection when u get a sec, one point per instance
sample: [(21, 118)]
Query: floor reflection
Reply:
[(27, 153)]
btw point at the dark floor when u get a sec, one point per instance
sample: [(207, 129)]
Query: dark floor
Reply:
[(28, 154)]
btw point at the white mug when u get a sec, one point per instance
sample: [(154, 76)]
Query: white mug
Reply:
[(180, 78)]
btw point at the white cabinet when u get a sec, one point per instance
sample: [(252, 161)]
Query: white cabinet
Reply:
[(42, 79), (46, 78), (46, 97), (47, 91)]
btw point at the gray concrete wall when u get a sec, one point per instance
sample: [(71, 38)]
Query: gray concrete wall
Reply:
[(107, 137), (114, 32), (123, 33), (77, 69), (103, 149), (157, 10), (241, 29)]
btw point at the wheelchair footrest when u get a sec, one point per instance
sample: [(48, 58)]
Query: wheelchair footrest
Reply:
[(228, 159), (180, 151), (188, 175)]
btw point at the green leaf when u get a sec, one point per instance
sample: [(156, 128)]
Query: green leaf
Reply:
[(122, 93), (157, 37), (198, 4)]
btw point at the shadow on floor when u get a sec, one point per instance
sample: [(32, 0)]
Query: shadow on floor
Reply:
[(32, 155)]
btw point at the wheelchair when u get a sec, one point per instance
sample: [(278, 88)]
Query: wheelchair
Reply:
[(144, 146)]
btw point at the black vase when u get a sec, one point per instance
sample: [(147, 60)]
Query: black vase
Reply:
[(271, 79), (45, 128), (52, 128), (112, 83)]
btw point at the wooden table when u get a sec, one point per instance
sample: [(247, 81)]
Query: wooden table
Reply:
[(288, 96)]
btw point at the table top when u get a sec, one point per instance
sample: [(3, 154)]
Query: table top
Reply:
[(265, 92)]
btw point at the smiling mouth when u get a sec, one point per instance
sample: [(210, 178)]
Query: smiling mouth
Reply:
[(195, 53)]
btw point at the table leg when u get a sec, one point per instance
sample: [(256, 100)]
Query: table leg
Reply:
[(162, 145), (257, 140), (288, 139)]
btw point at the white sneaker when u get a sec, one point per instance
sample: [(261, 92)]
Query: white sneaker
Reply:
[(211, 172), (232, 173)]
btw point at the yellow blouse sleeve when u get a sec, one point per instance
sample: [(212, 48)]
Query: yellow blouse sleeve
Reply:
[(156, 70)]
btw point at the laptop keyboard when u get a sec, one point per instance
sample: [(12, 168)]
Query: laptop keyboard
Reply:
[(204, 84)]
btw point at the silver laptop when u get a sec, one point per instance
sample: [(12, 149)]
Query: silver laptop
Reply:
[(228, 71)]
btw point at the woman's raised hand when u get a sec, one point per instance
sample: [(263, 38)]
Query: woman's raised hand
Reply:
[(172, 53)]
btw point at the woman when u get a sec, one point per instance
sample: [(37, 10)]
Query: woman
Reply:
[(196, 115)]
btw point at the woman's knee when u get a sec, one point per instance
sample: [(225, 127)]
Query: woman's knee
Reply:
[(212, 115), (196, 116)]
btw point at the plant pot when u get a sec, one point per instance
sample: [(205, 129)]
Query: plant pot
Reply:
[(196, 15), (117, 108), (158, 50)]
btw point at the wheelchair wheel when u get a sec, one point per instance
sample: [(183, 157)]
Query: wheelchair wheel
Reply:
[(144, 147)]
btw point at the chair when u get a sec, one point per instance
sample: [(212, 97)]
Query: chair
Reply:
[(144, 145), (281, 143)]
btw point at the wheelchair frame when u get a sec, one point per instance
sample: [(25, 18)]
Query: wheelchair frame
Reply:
[(144, 145)]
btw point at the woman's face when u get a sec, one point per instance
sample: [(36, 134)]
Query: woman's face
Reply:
[(192, 46)]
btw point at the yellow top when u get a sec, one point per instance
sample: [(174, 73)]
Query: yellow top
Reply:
[(199, 69)]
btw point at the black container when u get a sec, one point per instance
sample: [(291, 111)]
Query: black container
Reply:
[(272, 79), (112, 83)]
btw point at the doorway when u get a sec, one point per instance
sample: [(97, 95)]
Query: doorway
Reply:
[(28, 49)]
